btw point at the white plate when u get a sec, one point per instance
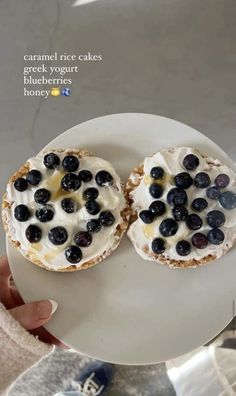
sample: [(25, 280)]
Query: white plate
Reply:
[(127, 310)]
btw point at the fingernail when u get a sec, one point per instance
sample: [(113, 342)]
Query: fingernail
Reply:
[(46, 308), (54, 306)]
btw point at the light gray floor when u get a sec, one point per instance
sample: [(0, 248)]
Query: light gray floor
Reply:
[(54, 375), (170, 57)]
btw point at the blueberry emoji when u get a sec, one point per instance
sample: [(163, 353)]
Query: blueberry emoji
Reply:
[(65, 92)]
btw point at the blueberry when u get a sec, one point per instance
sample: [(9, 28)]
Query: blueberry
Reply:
[(180, 213), (20, 184), (183, 180), (58, 235), (194, 222), (168, 227), (94, 225), (51, 161), (215, 236), (202, 180), (85, 176), (157, 208), (83, 238), (90, 193), (69, 205), (33, 233), (190, 162), (199, 240), (42, 196), (70, 182), (183, 248), (70, 163), (34, 177), (228, 200), (213, 192), (73, 254), (157, 172), (45, 213), (199, 204), (21, 213), (222, 180), (104, 178), (92, 207), (156, 190), (158, 246), (146, 216), (106, 218), (176, 196), (215, 218)]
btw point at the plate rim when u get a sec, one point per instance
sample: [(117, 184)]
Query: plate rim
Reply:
[(133, 114)]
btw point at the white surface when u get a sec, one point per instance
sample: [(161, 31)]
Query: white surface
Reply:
[(209, 371), (126, 310)]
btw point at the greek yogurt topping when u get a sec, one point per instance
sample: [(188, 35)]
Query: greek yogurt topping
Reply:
[(66, 209), (186, 206)]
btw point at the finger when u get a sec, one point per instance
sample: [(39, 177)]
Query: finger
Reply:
[(9, 296), (6, 297), (4, 267), (45, 336), (35, 314), (16, 297)]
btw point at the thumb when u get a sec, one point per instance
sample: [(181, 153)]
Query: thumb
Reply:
[(34, 314)]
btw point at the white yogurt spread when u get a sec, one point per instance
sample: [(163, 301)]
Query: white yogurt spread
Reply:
[(142, 234), (53, 256)]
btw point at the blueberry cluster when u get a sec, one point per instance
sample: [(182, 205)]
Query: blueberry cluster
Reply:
[(69, 183), (177, 199)]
